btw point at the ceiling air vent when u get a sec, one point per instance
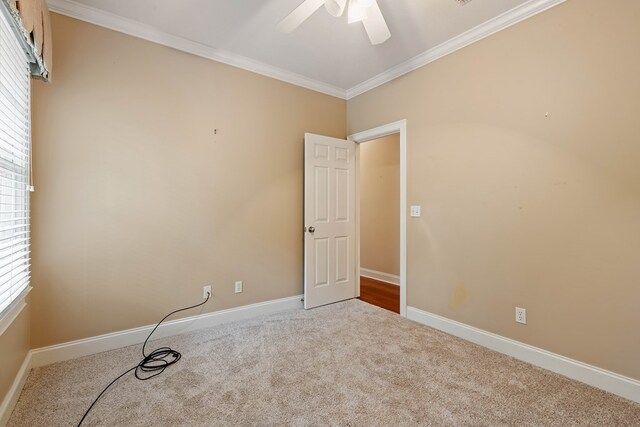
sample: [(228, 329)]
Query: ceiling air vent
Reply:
[(462, 2)]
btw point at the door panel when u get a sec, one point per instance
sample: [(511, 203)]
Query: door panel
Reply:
[(342, 259), (342, 195), (322, 262), (322, 194), (329, 274)]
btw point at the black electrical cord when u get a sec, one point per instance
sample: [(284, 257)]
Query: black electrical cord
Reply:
[(156, 361)]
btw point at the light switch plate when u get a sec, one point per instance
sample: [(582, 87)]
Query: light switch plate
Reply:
[(415, 211)]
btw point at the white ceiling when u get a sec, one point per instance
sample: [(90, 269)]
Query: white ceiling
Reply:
[(323, 49)]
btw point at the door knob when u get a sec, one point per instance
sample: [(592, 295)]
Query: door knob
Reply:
[(312, 229)]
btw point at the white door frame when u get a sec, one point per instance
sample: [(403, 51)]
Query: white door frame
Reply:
[(367, 135)]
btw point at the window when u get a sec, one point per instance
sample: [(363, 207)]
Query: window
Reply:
[(14, 166)]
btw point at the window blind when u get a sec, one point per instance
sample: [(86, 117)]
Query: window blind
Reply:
[(14, 166)]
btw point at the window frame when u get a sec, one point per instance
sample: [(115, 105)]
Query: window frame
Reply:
[(18, 302)]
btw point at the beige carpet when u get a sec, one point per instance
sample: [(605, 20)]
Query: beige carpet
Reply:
[(347, 364)]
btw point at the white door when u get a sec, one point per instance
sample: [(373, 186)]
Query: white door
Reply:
[(330, 221)]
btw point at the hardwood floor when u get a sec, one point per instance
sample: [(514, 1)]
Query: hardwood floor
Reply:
[(379, 293)]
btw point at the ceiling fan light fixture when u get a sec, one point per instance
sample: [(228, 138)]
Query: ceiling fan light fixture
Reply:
[(357, 12), (366, 11)]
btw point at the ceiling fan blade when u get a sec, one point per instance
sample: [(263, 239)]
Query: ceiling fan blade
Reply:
[(299, 15), (335, 7), (375, 25)]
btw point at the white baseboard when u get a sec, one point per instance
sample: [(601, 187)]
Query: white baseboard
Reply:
[(13, 394), (379, 275), (71, 350), (626, 387), (84, 347)]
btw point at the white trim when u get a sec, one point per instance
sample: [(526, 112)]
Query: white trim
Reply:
[(492, 26), (84, 347), (381, 131), (71, 350), (626, 387), (13, 310), (137, 29), (10, 400), (146, 32), (357, 209), (380, 276)]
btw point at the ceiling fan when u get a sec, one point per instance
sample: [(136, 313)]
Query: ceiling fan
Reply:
[(365, 11)]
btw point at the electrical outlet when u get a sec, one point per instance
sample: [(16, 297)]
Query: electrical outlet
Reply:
[(415, 211), (521, 315), (238, 287), (206, 292)]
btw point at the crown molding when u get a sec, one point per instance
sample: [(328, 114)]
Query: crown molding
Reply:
[(137, 29), (492, 26), (146, 32)]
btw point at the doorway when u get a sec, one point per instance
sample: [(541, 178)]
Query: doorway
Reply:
[(332, 216), (379, 190), (380, 287)]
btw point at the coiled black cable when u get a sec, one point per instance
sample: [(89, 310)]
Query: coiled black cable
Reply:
[(155, 362)]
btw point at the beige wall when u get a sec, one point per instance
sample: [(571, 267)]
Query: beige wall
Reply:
[(521, 209), (138, 204), (380, 205), (14, 346)]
